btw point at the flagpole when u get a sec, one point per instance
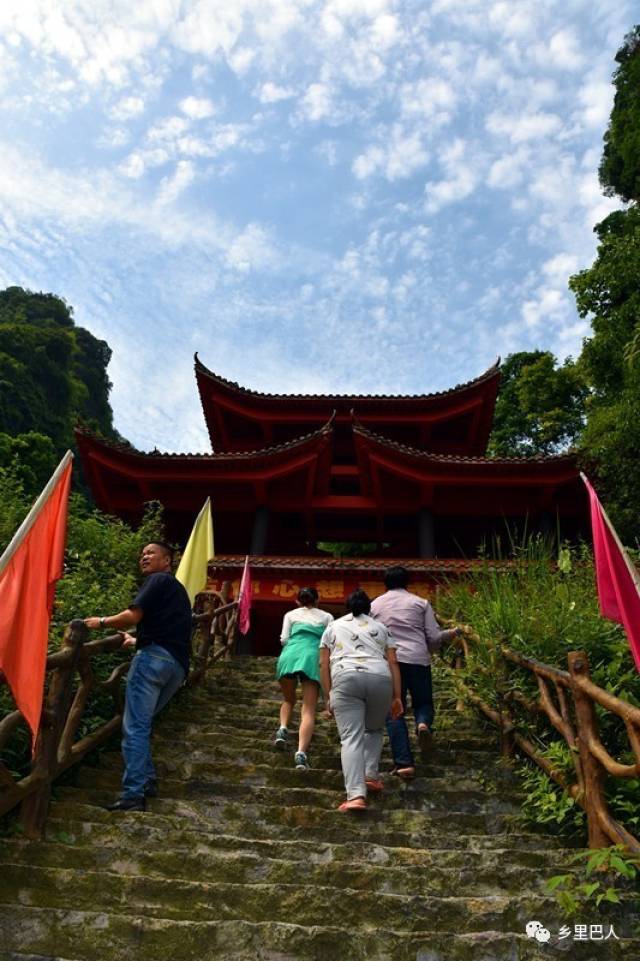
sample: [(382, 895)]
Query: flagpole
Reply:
[(631, 567), (30, 519)]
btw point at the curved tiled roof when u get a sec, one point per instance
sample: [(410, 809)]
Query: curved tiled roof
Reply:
[(231, 385), (327, 563), (124, 448), (427, 456)]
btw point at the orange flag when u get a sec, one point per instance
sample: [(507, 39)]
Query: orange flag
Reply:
[(29, 569)]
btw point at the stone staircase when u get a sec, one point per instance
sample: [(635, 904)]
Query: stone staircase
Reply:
[(243, 858)]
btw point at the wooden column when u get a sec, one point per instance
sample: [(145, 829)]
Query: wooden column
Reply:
[(260, 531), (426, 533)]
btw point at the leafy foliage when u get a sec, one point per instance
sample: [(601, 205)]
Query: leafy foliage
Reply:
[(544, 612), (540, 406), (609, 293), (620, 166), (51, 372), (32, 455), (616, 869)]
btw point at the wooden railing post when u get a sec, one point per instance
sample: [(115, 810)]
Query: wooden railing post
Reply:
[(35, 807), (507, 739), (592, 771)]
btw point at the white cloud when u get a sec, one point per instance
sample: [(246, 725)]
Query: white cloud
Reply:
[(522, 127), (428, 99), (197, 108), (253, 249), (171, 187), (563, 50), (271, 93), (508, 171), (596, 98), (316, 102), (126, 108), (549, 306), (399, 158), (463, 175)]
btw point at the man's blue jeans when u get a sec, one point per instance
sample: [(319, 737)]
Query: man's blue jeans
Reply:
[(416, 680), (154, 677)]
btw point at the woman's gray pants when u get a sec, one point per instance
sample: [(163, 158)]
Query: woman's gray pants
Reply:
[(360, 701)]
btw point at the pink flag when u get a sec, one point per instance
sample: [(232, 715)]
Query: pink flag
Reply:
[(617, 578), (244, 599)]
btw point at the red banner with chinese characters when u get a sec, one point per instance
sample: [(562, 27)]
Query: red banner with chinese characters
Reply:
[(331, 589)]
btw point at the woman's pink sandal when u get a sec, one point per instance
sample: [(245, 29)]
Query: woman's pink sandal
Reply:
[(357, 804), (374, 786)]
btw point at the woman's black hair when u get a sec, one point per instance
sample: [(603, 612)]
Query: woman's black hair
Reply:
[(307, 595), (358, 602), (396, 577)]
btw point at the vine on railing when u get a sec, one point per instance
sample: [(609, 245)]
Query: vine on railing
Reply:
[(57, 745), (567, 700)]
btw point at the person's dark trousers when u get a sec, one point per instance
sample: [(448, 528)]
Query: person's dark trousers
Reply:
[(416, 680), (153, 679)]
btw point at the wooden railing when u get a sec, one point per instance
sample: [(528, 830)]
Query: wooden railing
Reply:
[(58, 746), (567, 700)]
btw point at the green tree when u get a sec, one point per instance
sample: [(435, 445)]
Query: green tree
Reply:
[(608, 293), (620, 165), (31, 455), (51, 372), (540, 406)]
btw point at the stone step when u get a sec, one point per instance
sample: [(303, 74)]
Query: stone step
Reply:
[(444, 749), (454, 764), (308, 787), (280, 771), (132, 834), (268, 820), (196, 760), (88, 822), (214, 900), (420, 873), (98, 936)]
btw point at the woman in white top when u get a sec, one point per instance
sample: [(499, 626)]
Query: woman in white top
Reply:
[(301, 632), (361, 683)]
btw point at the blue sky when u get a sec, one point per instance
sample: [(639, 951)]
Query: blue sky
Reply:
[(350, 195)]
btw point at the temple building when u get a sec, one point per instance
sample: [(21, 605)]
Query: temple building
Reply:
[(406, 477)]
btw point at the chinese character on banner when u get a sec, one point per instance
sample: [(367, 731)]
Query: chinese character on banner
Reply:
[(611, 934), (580, 932), (564, 932), (372, 588), (286, 589), (422, 589), (331, 590)]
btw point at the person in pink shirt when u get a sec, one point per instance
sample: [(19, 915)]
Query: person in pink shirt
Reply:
[(413, 626)]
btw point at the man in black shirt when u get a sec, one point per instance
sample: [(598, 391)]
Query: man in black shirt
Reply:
[(162, 612)]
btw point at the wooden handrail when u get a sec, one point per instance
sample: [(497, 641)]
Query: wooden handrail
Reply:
[(71, 681), (567, 699)]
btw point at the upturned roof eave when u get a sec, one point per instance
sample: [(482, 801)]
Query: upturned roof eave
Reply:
[(229, 386)]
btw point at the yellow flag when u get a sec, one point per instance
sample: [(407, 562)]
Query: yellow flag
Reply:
[(192, 571)]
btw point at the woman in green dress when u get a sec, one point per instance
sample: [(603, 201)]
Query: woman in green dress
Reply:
[(302, 629)]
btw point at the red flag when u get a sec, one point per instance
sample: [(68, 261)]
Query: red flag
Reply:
[(617, 578), (29, 569), (244, 598)]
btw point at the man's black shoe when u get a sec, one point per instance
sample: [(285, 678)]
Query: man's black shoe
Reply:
[(127, 804), (151, 789)]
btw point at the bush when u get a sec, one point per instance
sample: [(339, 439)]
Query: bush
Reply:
[(544, 606)]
